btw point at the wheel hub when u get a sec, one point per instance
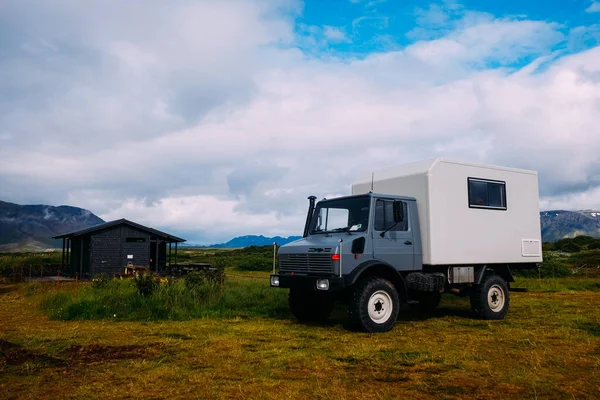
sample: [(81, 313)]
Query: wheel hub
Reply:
[(496, 298), (380, 307)]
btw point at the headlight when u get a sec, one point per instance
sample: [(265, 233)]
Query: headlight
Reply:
[(274, 280), (323, 284)]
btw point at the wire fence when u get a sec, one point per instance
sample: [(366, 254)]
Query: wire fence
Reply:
[(32, 271)]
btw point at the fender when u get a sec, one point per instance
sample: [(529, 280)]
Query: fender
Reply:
[(502, 270), (378, 268)]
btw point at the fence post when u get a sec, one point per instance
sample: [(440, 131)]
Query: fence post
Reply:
[(222, 279), (274, 256)]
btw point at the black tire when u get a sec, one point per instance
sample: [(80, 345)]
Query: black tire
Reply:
[(310, 305), (379, 294), (491, 299), (426, 301)]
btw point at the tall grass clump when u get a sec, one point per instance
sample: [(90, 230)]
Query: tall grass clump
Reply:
[(145, 284), (194, 296)]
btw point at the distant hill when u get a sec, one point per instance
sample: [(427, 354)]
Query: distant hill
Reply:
[(562, 224), (31, 227), (253, 240)]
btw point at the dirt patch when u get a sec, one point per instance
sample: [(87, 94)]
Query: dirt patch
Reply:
[(13, 354), (6, 288), (98, 353)]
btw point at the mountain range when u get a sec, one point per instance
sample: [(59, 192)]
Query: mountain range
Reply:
[(253, 240), (562, 224), (31, 227)]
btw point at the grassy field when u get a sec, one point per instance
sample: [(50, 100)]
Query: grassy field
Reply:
[(548, 347)]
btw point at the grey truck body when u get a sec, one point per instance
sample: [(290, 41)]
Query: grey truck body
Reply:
[(370, 250)]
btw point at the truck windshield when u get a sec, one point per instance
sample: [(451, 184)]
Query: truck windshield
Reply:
[(343, 215)]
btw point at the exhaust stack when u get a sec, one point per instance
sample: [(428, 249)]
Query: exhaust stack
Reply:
[(311, 210)]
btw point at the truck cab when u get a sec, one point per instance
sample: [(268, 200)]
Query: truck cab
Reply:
[(343, 239), (344, 233)]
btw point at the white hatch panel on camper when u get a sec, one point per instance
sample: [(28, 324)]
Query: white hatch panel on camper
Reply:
[(468, 213)]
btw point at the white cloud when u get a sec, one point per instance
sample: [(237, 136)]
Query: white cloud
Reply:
[(594, 7), (206, 120), (587, 200), (334, 34), (376, 21), (215, 217)]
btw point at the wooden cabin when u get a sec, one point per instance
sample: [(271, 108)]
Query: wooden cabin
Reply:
[(108, 248)]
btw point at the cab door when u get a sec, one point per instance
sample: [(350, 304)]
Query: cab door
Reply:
[(396, 246)]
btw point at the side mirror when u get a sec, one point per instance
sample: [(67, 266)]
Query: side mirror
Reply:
[(398, 211), (358, 245)]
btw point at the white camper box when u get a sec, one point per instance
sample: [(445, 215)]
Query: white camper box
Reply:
[(458, 230)]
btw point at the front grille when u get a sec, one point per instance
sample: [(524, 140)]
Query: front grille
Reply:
[(306, 263)]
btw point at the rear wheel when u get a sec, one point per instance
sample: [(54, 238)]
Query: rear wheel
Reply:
[(374, 305), (490, 300), (310, 305)]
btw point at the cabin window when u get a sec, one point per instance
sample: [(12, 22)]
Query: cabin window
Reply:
[(384, 216), (135, 240), (484, 193)]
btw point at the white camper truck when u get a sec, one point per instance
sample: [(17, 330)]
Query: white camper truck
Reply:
[(410, 233)]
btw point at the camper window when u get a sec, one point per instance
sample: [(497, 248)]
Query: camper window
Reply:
[(484, 193)]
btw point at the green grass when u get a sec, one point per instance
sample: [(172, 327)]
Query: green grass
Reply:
[(172, 300), (238, 298), (557, 284), (547, 347)]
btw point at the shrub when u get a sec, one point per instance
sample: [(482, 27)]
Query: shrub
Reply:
[(256, 263), (100, 281), (595, 245), (215, 276), (194, 280), (548, 246), (145, 284), (591, 258), (552, 267), (583, 240), (567, 245)]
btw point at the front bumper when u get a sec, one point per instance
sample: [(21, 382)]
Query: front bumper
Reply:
[(308, 282)]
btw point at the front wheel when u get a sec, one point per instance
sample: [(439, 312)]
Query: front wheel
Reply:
[(490, 299), (374, 305)]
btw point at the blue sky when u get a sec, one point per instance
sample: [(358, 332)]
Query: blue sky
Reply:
[(217, 118), (379, 25)]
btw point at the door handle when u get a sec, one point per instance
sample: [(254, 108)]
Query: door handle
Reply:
[(408, 243)]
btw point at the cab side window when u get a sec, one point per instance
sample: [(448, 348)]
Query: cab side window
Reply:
[(384, 216)]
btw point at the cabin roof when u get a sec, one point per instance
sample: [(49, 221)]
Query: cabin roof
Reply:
[(118, 222)]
